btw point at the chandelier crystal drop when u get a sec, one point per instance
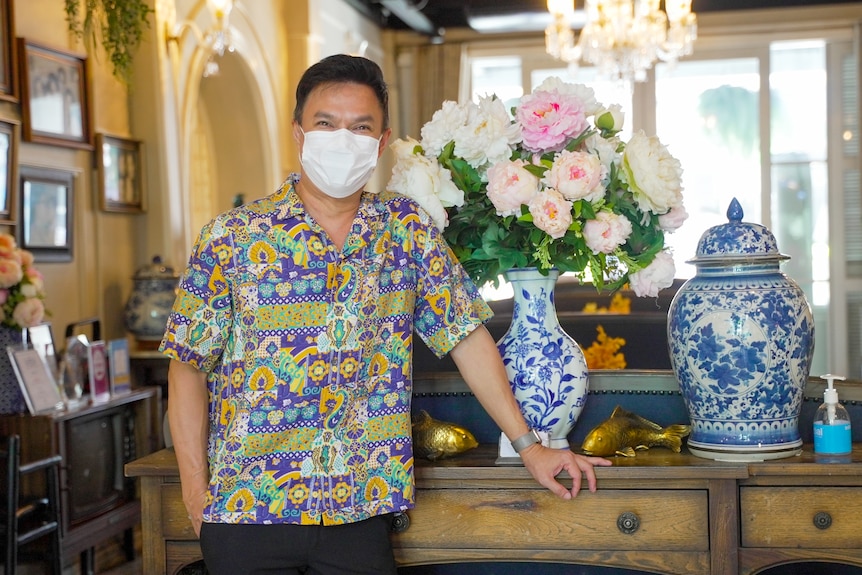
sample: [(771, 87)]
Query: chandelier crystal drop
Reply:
[(622, 38)]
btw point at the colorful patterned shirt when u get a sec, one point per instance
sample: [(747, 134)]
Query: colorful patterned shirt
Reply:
[(308, 353)]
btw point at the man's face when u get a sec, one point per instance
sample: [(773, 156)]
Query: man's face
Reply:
[(350, 106)]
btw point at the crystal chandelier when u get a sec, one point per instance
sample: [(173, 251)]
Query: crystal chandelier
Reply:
[(622, 38)]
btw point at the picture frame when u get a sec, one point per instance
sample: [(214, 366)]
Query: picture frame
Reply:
[(8, 61), (40, 390), (120, 173), (119, 366), (54, 96), (97, 360), (9, 136), (45, 222)]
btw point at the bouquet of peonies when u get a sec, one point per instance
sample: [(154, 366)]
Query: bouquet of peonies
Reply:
[(21, 287), (549, 186)]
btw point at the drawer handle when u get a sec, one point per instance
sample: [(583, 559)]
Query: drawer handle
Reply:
[(628, 522), (822, 520), (400, 523)]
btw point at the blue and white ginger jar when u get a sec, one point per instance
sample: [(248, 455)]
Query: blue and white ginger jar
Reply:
[(151, 300), (546, 367), (741, 339)]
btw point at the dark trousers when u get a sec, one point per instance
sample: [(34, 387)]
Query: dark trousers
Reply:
[(353, 548)]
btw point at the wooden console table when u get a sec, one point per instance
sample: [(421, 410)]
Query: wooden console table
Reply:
[(661, 512)]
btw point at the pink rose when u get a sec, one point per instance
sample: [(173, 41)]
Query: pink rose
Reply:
[(10, 273), (7, 245), (548, 119), (672, 220), (608, 231), (578, 176), (29, 312), (655, 277), (510, 186), (552, 213)]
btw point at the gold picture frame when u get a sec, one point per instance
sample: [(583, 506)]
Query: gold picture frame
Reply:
[(120, 174)]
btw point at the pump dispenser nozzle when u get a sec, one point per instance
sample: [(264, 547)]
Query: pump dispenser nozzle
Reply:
[(830, 395)]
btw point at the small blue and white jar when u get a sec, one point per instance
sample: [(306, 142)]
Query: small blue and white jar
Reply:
[(741, 339)]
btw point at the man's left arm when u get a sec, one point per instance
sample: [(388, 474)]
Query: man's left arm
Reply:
[(480, 365)]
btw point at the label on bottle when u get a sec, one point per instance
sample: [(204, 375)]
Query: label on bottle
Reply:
[(834, 439)]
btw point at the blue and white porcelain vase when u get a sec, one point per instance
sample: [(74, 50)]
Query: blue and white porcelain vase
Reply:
[(149, 305), (546, 367), (741, 339)]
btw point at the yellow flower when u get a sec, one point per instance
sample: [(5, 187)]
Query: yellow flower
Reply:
[(602, 354)]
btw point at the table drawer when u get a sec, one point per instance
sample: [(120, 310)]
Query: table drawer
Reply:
[(175, 519), (606, 520), (814, 517)]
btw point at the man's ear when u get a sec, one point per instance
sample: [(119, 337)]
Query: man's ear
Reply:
[(384, 141), (297, 132)]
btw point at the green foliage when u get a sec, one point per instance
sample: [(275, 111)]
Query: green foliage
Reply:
[(118, 23)]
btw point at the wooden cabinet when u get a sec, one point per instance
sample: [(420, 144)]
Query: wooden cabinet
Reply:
[(659, 512), (95, 441)]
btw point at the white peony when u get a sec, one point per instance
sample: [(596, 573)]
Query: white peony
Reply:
[(655, 277), (653, 175), (438, 132), (673, 220), (425, 181), (488, 136), (604, 148)]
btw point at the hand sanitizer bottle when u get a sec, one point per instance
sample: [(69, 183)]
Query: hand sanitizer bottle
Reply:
[(831, 422)]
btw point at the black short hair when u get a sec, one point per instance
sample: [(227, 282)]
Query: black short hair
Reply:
[(340, 69)]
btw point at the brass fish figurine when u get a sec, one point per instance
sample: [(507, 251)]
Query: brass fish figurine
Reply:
[(624, 431), (433, 439)]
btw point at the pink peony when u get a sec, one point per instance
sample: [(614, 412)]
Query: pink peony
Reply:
[(608, 231), (672, 220), (655, 277), (510, 186), (549, 119), (578, 176), (29, 312), (552, 213)]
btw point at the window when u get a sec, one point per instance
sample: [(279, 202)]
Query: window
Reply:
[(754, 120)]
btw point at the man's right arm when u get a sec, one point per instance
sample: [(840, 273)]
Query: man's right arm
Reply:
[(188, 406)]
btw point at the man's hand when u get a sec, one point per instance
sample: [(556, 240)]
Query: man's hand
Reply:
[(544, 464)]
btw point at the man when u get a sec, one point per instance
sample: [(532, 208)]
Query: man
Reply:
[(291, 339)]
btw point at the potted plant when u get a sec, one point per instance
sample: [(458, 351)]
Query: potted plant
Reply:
[(118, 23)]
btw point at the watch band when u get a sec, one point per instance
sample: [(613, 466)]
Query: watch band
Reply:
[(526, 441)]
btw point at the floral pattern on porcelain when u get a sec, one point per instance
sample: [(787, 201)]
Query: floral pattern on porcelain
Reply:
[(546, 367), (741, 340)]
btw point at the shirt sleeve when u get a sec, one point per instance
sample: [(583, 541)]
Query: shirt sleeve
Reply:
[(448, 304), (200, 319)]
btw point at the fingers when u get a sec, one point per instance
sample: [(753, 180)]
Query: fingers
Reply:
[(544, 464)]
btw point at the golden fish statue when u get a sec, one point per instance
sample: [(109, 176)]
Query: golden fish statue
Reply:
[(624, 431), (433, 439)]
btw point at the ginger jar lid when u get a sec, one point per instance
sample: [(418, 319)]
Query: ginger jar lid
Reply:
[(156, 270), (737, 241)]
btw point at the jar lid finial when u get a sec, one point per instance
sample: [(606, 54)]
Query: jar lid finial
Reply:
[(734, 211)]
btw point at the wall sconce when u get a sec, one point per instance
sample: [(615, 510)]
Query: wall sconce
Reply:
[(216, 38)]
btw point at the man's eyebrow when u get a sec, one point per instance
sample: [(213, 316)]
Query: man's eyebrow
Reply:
[(365, 118)]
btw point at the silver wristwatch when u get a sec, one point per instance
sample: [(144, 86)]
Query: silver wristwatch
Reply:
[(526, 440)]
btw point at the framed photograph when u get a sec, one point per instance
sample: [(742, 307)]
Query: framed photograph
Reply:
[(38, 386), (8, 170), (119, 163), (54, 102), (8, 76), (45, 221), (119, 366)]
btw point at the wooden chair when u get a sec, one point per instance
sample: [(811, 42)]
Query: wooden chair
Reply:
[(26, 520)]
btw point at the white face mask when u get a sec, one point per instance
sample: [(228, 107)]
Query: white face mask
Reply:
[(338, 162)]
